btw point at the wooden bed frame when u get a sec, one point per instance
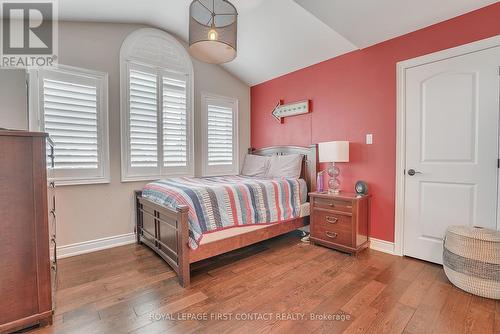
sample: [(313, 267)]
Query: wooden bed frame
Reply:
[(165, 230)]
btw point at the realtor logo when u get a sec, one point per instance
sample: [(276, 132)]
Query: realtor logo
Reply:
[(29, 36)]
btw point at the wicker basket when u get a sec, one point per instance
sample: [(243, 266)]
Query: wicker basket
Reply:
[(471, 260)]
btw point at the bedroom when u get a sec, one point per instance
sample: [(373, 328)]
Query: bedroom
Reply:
[(83, 250)]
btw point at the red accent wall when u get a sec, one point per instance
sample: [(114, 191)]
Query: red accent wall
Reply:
[(355, 94)]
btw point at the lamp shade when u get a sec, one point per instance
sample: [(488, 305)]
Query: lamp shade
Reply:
[(213, 31), (334, 151)]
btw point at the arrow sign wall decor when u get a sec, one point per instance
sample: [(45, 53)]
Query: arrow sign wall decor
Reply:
[(291, 109)]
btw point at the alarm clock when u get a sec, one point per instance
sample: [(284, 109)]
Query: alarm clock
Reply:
[(361, 188)]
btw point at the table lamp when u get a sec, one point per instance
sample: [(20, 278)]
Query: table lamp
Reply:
[(332, 152)]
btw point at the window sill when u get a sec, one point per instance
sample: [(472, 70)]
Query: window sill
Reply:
[(152, 178), (81, 182)]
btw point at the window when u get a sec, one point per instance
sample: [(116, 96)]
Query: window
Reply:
[(73, 109), (220, 135), (156, 107)]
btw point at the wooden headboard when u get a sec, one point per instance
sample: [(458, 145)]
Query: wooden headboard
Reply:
[(309, 164)]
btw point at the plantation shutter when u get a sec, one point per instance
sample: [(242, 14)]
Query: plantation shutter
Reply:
[(70, 113), (175, 139), (73, 109), (220, 134), (143, 119), (157, 124)]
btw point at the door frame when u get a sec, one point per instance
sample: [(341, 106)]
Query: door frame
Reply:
[(401, 68)]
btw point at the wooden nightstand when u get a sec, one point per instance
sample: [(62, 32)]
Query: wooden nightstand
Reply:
[(340, 221)]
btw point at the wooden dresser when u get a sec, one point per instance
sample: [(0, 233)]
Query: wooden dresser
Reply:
[(27, 230), (340, 221)]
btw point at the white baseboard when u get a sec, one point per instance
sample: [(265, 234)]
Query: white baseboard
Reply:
[(129, 238), (382, 246), (95, 245)]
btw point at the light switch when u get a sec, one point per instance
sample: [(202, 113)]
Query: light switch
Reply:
[(369, 139)]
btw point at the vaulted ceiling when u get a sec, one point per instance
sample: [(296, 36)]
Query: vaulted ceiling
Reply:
[(280, 36)]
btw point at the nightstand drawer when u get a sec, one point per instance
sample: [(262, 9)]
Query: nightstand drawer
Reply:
[(333, 204), (335, 236), (332, 220)]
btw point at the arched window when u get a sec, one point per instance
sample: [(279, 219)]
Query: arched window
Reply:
[(156, 77)]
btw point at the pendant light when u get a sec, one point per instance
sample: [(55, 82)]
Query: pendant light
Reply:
[(213, 31)]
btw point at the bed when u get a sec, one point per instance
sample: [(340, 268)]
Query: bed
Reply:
[(171, 229)]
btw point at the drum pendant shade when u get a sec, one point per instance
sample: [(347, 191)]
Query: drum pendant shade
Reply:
[(213, 31)]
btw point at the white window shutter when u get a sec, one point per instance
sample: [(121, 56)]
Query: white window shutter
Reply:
[(220, 135), (175, 135), (71, 119), (143, 119), (73, 106), (156, 124)]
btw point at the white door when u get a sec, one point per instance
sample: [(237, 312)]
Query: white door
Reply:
[(452, 121)]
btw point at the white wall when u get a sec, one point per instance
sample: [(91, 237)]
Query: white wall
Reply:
[(13, 103), (90, 212)]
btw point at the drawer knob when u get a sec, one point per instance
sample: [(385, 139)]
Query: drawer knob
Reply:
[(331, 204), (331, 220), (331, 235)]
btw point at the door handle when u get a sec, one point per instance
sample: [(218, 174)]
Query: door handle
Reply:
[(412, 172)]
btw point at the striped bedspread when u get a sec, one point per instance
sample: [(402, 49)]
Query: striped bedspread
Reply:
[(217, 203)]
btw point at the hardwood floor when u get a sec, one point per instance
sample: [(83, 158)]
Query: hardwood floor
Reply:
[(129, 289)]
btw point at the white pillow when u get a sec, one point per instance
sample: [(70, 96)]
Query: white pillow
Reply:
[(285, 166), (255, 165)]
